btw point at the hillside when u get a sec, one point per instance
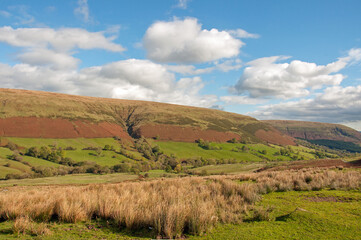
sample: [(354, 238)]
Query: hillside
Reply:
[(51, 115), (316, 130)]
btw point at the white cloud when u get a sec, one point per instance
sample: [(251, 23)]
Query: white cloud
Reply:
[(336, 104), (46, 46), (82, 10), (224, 66), (242, 100), (128, 79), (61, 40), (265, 77), (184, 41), (182, 4), (50, 58), (189, 69), (240, 33)]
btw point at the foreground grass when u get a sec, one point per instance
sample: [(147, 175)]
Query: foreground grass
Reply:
[(322, 214), (180, 206), (325, 214)]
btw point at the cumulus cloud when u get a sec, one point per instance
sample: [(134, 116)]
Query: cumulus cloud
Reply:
[(47, 46), (61, 40), (184, 41), (336, 104), (266, 77), (128, 79), (82, 10), (240, 33), (46, 57)]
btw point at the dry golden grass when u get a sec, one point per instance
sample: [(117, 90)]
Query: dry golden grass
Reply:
[(24, 225), (170, 206)]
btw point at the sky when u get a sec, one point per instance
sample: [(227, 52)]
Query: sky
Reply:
[(297, 60)]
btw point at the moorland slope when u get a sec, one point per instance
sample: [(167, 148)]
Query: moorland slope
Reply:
[(316, 130), (39, 114)]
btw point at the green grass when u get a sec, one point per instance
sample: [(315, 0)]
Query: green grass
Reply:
[(315, 220), (229, 168), (191, 150), (7, 170), (184, 150), (78, 155), (78, 143), (70, 179)]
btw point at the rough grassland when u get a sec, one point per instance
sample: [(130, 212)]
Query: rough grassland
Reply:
[(301, 215), (191, 206), (29, 107)]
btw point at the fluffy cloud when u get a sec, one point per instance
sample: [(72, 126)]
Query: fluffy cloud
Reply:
[(50, 58), (62, 40), (265, 77), (336, 104), (46, 46), (128, 79), (184, 41)]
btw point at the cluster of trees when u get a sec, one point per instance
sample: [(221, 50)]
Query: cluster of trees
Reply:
[(206, 145)]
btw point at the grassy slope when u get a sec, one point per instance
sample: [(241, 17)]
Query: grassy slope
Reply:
[(21, 103), (320, 220), (309, 130), (191, 150), (106, 158)]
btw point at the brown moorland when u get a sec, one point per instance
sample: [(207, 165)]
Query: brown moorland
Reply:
[(26, 113)]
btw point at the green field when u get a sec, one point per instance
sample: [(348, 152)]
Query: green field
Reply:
[(185, 150)]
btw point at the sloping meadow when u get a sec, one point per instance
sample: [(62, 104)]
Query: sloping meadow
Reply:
[(171, 207)]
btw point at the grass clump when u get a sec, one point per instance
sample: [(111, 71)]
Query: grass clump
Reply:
[(24, 225)]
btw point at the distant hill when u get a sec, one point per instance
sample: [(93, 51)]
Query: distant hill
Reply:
[(335, 136), (51, 115)]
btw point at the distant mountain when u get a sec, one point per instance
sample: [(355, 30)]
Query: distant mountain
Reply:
[(328, 134), (316, 130), (51, 115)]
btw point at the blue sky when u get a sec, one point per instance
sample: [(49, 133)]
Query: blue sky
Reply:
[(269, 59)]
